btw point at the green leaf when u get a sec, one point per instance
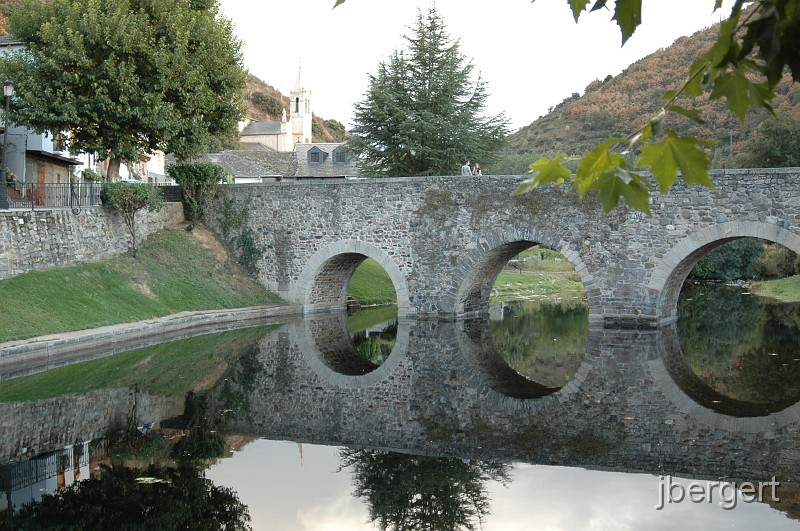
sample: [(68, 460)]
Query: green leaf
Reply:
[(741, 93), (692, 114), (596, 163), (621, 183), (338, 3), (545, 171), (694, 87), (628, 14), (600, 4), (577, 7), (675, 153), (670, 94)]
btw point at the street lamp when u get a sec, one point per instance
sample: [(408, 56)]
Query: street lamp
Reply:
[(8, 91)]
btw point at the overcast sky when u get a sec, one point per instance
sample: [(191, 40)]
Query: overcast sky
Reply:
[(532, 54), (285, 489)]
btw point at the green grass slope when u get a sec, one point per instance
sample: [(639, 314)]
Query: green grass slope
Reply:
[(176, 271)]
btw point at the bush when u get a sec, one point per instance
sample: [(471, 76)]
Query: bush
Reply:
[(90, 175), (729, 261), (199, 181), (776, 262), (267, 103), (128, 199)]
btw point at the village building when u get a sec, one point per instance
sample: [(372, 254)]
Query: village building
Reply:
[(285, 148)]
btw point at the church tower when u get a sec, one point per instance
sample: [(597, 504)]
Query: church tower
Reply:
[(300, 111)]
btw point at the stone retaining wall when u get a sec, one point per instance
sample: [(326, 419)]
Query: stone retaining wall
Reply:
[(41, 239)]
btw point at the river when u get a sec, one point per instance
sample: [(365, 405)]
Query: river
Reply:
[(526, 420)]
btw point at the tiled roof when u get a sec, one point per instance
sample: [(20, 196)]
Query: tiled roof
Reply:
[(261, 128), (325, 168), (249, 163)]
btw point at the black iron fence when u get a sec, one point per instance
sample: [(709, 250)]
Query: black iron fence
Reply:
[(54, 195), (69, 195)]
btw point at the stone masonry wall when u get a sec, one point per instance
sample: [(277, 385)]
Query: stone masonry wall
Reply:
[(40, 239), (443, 239)]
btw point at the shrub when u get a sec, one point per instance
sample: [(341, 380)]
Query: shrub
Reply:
[(199, 181), (267, 103), (130, 198), (90, 175)]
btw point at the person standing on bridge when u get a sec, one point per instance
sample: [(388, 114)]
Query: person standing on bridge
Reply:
[(476, 171), (466, 171)]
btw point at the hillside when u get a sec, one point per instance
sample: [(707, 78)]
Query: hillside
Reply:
[(264, 103), (618, 106)]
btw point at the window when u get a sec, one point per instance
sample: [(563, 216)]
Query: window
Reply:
[(340, 157), (313, 157)]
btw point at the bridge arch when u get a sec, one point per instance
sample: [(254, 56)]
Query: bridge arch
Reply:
[(322, 285), (328, 350), (673, 269), (476, 344), (475, 274)]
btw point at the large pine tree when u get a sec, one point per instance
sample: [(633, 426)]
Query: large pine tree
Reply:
[(423, 111)]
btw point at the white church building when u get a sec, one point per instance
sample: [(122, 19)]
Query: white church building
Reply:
[(283, 135)]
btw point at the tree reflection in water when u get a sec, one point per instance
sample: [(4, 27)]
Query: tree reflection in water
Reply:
[(373, 332), (407, 492), (544, 342), (173, 494), (742, 346), (133, 499)]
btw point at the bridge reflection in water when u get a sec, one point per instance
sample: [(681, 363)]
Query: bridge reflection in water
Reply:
[(633, 405)]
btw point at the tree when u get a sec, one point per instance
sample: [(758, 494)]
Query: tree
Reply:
[(422, 113), (154, 498), (732, 260), (126, 76), (199, 181), (130, 198), (755, 48), (776, 144), (418, 492)]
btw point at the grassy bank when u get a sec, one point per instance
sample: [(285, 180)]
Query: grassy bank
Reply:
[(176, 271), (537, 286), (371, 284), (167, 369), (784, 289), (537, 274)]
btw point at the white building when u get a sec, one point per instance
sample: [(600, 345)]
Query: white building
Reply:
[(284, 134)]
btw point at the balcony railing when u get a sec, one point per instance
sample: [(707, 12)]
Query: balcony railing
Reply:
[(54, 195)]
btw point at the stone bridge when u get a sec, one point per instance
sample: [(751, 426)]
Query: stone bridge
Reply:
[(443, 240)]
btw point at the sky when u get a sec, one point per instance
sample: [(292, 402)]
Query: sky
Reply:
[(286, 489), (532, 54)]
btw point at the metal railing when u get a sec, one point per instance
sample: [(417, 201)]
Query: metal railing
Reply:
[(54, 195)]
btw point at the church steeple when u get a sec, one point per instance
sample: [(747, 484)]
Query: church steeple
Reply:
[(300, 110)]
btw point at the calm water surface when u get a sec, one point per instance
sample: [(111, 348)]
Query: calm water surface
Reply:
[(527, 420)]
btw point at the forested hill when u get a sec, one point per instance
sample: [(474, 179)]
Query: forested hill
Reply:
[(618, 106)]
